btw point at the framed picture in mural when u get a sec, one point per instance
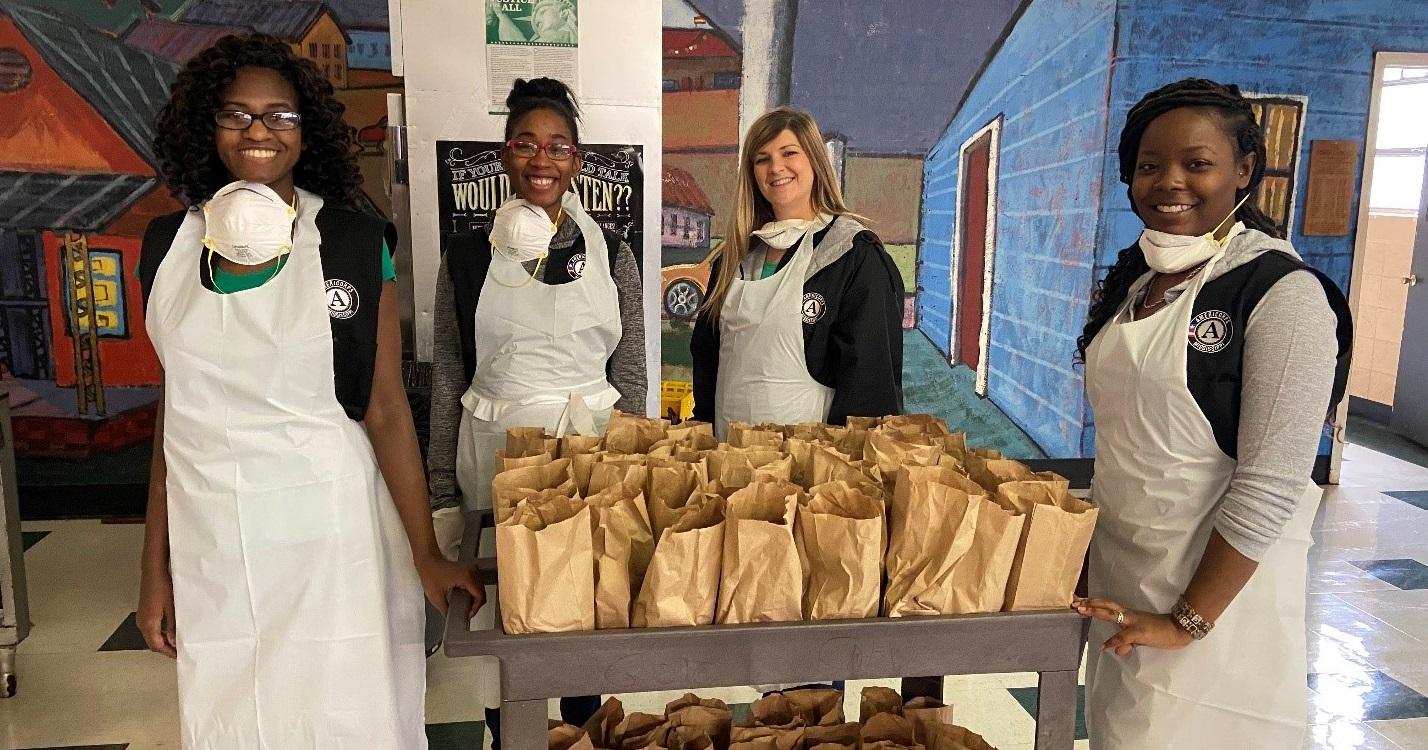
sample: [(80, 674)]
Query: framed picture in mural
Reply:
[(472, 184)]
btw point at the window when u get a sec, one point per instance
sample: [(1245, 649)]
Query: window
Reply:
[(1280, 119), (671, 85), (1401, 143), (15, 71), (106, 274), (326, 50), (312, 50), (725, 81)]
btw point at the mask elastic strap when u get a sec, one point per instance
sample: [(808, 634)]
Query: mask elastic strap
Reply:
[(1233, 211)]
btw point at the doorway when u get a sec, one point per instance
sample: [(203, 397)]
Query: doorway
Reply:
[(1390, 360), (974, 251)]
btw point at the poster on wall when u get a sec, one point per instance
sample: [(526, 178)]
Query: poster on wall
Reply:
[(530, 39), (472, 184)]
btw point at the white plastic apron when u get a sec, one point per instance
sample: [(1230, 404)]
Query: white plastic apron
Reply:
[(299, 613), (1159, 478), (763, 373), (541, 352)]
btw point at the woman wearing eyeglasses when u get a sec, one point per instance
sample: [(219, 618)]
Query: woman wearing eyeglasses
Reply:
[(288, 539), (539, 322)]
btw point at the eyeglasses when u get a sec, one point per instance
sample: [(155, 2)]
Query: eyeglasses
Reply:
[(233, 119), (556, 151)]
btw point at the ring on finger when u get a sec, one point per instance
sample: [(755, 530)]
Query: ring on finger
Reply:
[(1120, 618)]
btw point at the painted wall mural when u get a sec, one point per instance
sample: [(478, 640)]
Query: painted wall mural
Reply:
[(982, 143), (80, 86)]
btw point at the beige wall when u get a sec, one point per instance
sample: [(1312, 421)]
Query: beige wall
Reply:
[(1378, 330)]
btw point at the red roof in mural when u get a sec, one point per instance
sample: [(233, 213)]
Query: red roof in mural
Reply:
[(175, 40), (684, 44), (681, 191)]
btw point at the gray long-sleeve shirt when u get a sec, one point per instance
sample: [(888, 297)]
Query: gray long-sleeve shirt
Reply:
[(1289, 354), (626, 368)]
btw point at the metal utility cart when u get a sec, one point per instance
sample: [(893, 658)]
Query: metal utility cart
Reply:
[(14, 604), (537, 667)]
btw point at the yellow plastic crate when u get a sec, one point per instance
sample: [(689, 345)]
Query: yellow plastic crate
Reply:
[(676, 399)]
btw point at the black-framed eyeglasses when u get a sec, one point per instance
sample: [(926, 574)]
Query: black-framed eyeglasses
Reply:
[(236, 119), (556, 151)]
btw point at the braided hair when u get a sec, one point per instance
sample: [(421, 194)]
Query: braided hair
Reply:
[(1233, 111), (542, 93)]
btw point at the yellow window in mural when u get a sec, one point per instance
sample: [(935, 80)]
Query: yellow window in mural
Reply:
[(106, 277), (1280, 119)]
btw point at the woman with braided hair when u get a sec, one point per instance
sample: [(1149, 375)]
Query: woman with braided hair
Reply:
[(1204, 447)]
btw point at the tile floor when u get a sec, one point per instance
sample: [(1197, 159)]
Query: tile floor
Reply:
[(85, 682)]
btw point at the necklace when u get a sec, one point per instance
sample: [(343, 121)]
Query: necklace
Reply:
[(1147, 307)]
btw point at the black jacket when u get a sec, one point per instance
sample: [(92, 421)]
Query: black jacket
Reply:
[(853, 347)]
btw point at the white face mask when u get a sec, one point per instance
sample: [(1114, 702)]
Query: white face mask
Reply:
[(521, 231), (248, 223), (781, 235), (1173, 253)]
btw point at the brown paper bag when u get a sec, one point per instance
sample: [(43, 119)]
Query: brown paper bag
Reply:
[(772, 716), (1053, 543), (669, 488), (852, 442), (682, 584), (931, 527), (602, 725), (640, 732), (917, 424), (744, 435), (878, 700), (574, 445), (951, 737), (889, 727), (890, 454), (955, 445), (923, 711), (506, 464), (630, 476), (759, 743), (522, 442), (732, 469), (979, 580), (817, 706), (829, 465), (773, 738), (568, 737), (709, 717), (510, 487), (946, 475), (688, 429), (689, 738), (837, 737), (841, 544), (623, 545), (761, 579), (547, 571), (863, 423), (628, 433), (816, 432)]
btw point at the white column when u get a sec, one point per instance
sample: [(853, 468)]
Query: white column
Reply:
[(768, 58)]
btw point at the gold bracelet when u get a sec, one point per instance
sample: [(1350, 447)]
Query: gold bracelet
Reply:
[(1190, 621)]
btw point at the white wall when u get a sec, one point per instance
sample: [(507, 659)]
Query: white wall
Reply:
[(438, 46)]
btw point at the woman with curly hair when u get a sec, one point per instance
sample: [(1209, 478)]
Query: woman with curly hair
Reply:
[(288, 540)]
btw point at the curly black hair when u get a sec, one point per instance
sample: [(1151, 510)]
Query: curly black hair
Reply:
[(542, 93), (188, 159), (1237, 119)]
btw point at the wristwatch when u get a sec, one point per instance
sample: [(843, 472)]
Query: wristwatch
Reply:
[(1190, 621)]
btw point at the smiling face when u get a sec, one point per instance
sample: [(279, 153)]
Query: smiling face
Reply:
[(259, 154), (1187, 172), (539, 179), (784, 175)]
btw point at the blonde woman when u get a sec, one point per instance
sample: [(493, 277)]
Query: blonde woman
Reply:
[(803, 322)]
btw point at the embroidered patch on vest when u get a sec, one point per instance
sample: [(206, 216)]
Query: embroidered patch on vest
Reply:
[(813, 308), (342, 301), (576, 266), (1211, 331)]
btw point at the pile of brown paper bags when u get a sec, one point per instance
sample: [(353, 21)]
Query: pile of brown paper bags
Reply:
[(803, 719), (655, 525)]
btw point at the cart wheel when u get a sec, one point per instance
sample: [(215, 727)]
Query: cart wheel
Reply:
[(7, 689)]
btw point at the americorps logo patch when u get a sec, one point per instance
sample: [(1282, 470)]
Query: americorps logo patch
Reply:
[(576, 266), (342, 300), (813, 308), (1211, 331)]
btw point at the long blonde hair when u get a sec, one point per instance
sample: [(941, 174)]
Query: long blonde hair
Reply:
[(752, 209)]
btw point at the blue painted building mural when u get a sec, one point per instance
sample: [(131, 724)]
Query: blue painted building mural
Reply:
[(1036, 136)]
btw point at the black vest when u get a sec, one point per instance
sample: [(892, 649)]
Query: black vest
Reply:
[(351, 252), (468, 256), (1215, 365)]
